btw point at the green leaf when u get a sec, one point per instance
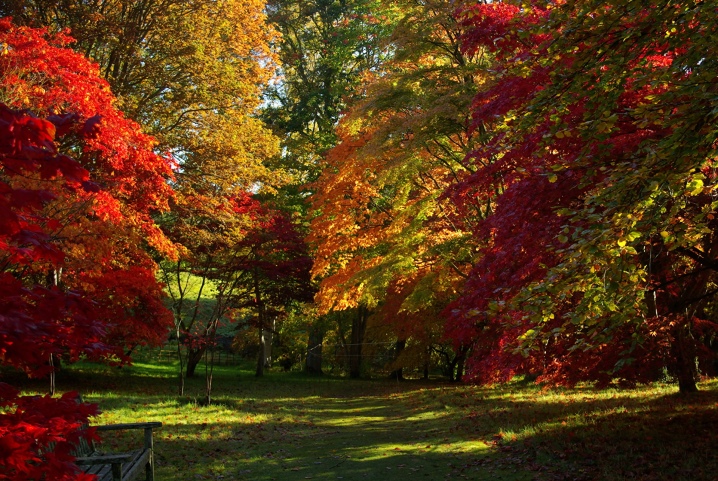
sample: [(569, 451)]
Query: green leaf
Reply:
[(695, 187)]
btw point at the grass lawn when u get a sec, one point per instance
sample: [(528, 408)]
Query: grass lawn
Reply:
[(287, 426)]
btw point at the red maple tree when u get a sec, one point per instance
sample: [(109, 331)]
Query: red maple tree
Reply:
[(78, 186), (599, 263)]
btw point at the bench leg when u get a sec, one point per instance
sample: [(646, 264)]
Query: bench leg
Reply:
[(116, 472), (150, 469)]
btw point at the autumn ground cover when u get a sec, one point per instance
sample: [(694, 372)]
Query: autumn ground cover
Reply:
[(287, 426)]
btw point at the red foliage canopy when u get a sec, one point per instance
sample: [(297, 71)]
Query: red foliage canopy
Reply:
[(601, 243), (74, 249), (75, 278)]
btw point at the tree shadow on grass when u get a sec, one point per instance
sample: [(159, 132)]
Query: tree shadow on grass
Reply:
[(588, 434), (368, 448), (519, 432), (289, 427), (295, 431)]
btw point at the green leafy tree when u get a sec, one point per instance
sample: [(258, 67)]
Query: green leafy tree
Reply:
[(324, 48)]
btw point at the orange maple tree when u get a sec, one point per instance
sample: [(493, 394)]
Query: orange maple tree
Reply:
[(381, 223)]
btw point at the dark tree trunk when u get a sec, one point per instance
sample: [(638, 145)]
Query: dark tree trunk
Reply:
[(194, 356), (129, 352), (460, 361), (427, 363), (261, 357), (208, 375), (259, 371), (55, 365), (460, 368), (181, 359), (264, 359), (452, 370), (684, 357), (53, 280), (357, 339), (314, 350), (682, 304), (398, 373)]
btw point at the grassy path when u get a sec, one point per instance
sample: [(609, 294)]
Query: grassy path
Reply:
[(289, 427), (299, 428)]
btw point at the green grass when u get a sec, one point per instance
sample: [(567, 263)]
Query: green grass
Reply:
[(287, 426)]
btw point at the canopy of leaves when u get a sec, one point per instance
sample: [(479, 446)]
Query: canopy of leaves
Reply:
[(379, 219), (602, 238), (75, 278), (189, 72), (324, 48)]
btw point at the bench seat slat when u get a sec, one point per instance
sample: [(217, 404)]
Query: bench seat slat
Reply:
[(113, 427), (104, 459)]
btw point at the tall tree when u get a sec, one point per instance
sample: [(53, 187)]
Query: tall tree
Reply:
[(602, 241), (206, 226), (99, 233), (71, 234), (325, 46), (273, 265), (380, 219)]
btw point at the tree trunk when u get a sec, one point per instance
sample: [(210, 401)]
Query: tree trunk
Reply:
[(685, 368), (357, 339), (53, 280), (264, 359), (260, 357), (268, 342), (211, 334), (194, 356), (398, 373), (451, 370), (262, 323), (681, 306), (460, 368), (460, 361), (180, 358), (52, 373), (314, 350), (208, 375)]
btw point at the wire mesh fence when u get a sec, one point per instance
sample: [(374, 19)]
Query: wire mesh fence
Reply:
[(376, 358)]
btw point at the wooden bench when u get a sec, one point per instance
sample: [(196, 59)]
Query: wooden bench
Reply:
[(123, 466)]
